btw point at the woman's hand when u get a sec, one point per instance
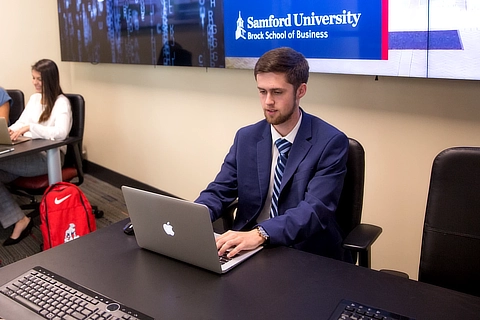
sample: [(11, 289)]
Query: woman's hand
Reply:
[(15, 134)]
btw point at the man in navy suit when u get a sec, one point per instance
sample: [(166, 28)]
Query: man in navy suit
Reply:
[(313, 175)]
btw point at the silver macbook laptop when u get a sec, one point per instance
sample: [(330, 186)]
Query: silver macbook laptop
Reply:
[(178, 229), (5, 136)]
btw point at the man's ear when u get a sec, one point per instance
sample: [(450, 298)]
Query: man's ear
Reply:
[(302, 90)]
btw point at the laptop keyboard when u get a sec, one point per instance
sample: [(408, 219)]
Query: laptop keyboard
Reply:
[(54, 297), (347, 309), (224, 259)]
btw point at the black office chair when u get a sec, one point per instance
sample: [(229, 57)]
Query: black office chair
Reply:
[(18, 104), (72, 170), (450, 253), (359, 237)]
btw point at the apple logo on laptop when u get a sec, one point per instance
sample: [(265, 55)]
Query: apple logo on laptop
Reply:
[(168, 229)]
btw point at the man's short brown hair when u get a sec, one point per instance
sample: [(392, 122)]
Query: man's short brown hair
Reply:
[(287, 61)]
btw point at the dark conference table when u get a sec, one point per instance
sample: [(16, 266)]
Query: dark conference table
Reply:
[(277, 283), (37, 145)]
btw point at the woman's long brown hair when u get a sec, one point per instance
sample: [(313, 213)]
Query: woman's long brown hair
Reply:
[(50, 86)]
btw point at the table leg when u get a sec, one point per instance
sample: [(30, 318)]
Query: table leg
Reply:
[(54, 165)]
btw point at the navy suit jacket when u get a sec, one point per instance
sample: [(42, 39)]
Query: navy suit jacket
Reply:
[(309, 193)]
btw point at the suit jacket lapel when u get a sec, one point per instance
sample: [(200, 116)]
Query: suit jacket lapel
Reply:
[(264, 161), (299, 150)]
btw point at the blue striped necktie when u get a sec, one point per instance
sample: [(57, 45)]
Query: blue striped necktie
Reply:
[(283, 147)]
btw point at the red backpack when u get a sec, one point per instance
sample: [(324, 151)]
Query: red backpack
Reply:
[(65, 214)]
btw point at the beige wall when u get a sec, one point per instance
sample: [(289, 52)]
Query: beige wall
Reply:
[(141, 121)]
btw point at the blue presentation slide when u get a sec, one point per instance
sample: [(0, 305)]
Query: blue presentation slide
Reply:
[(341, 29)]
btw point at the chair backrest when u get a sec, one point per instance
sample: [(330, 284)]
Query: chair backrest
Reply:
[(349, 210), (450, 254), (18, 104), (77, 104), (73, 157), (350, 205)]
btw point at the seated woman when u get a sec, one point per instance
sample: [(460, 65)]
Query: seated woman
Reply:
[(5, 103), (47, 115)]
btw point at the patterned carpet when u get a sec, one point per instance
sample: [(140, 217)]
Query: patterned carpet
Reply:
[(108, 198)]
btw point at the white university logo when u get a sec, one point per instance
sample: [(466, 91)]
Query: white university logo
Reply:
[(240, 31), (275, 27)]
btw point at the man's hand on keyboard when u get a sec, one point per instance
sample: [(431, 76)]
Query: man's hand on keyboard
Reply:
[(236, 241)]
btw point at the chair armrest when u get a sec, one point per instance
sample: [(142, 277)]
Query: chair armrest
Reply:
[(359, 240), (362, 237)]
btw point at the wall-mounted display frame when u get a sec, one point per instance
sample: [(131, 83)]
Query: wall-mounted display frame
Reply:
[(429, 39)]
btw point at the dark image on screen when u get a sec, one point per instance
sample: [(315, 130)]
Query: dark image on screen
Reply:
[(155, 32)]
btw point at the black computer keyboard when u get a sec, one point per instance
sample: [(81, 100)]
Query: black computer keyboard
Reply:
[(347, 309), (54, 297)]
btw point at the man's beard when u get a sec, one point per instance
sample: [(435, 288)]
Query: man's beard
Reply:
[(280, 118)]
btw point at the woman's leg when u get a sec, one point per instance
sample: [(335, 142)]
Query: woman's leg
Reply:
[(26, 166), (10, 212)]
